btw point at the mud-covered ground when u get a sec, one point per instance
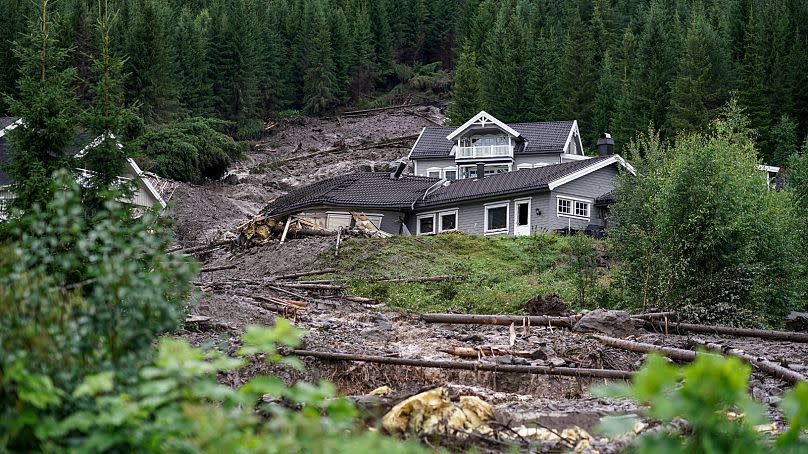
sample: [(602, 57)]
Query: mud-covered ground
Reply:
[(208, 213)]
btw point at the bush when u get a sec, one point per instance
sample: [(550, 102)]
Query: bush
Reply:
[(190, 150), (79, 296), (711, 396)]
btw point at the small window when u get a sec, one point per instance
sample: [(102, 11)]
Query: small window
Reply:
[(335, 221), (433, 173), (564, 206), (451, 175), (496, 218), (582, 209), (448, 221), (426, 225), (524, 166)]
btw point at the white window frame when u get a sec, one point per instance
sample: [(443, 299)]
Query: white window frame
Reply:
[(491, 206), (334, 214), (524, 166), (418, 224), (440, 220), (450, 169), (573, 202), (434, 169)]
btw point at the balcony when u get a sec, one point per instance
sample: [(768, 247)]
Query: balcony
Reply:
[(484, 152)]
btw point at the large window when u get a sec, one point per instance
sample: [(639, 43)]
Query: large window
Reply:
[(496, 218), (574, 208), (471, 171), (438, 222)]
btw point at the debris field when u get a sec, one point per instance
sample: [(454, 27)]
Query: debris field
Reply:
[(487, 381)]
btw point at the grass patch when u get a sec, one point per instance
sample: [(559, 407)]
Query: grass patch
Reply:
[(495, 274)]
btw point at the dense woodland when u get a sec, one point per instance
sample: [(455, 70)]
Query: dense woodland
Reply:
[(615, 65)]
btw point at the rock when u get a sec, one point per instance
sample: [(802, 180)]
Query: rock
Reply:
[(543, 353), (611, 323), (550, 304), (556, 362), (232, 179), (797, 321)]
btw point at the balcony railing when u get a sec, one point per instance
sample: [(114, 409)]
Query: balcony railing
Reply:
[(485, 151)]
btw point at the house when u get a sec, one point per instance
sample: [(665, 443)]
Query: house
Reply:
[(145, 196), (563, 196), (486, 143)]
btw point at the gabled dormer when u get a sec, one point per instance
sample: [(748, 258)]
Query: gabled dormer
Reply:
[(483, 138)]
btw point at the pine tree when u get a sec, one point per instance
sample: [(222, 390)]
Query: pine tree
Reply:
[(784, 140), (502, 63), (319, 82), (752, 89), (692, 101), (578, 73), (466, 90), (107, 116), (363, 69), (47, 105), (542, 90), (192, 41), (606, 97)]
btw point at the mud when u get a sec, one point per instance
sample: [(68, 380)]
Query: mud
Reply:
[(202, 214)]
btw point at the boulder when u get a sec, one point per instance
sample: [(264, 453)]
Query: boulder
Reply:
[(550, 304), (610, 323), (797, 321)]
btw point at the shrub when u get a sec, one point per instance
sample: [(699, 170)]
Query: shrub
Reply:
[(190, 150), (711, 396)]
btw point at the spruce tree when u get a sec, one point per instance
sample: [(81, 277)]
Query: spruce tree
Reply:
[(542, 90), (752, 89), (578, 73), (12, 25), (466, 89), (46, 104), (784, 141), (608, 92), (319, 82), (107, 116), (691, 97), (502, 62), (192, 41)]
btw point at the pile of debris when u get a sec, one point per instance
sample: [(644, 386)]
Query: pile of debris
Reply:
[(262, 229)]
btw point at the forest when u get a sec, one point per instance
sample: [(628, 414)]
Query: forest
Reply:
[(614, 65)]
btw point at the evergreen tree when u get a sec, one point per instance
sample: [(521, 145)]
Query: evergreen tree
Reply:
[(12, 25), (752, 89), (691, 97), (784, 141), (502, 63), (608, 92), (363, 68), (542, 90), (466, 90), (319, 82), (578, 74), (107, 116), (192, 41), (47, 105)]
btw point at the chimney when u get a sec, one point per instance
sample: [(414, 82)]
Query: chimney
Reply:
[(396, 174), (480, 170), (605, 145)]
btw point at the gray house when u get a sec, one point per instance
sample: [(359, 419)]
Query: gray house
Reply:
[(454, 153), (144, 197), (568, 196)]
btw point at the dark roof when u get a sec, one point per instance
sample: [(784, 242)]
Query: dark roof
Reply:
[(365, 190), (504, 183), (605, 199), (5, 179), (535, 138)]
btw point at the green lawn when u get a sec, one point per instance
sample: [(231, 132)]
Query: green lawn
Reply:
[(496, 274)]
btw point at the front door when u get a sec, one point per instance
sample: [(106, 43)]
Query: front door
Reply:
[(521, 224)]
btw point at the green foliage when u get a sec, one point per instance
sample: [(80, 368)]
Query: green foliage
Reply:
[(190, 150), (711, 396), (784, 139), (701, 227), (466, 89), (582, 262), (79, 296), (494, 275)]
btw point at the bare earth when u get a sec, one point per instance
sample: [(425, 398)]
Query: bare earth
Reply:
[(207, 213)]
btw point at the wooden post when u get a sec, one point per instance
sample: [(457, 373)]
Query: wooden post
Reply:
[(286, 229)]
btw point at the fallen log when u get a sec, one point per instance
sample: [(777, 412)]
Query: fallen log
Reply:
[(288, 292), (272, 306), (368, 146), (506, 320), (217, 268), (676, 327), (678, 354), (420, 279), (273, 300), (359, 299), (762, 364), (657, 315), (468, 352), (310, 286), (377, 109), (303, 274), (473, 366)]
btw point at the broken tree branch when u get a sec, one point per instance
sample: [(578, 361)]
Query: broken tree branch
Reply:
[(473, 366), (469, 352), (216, 268), (291, 276), (675, 327), (310, 286), (762, 364), (378, 109)]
